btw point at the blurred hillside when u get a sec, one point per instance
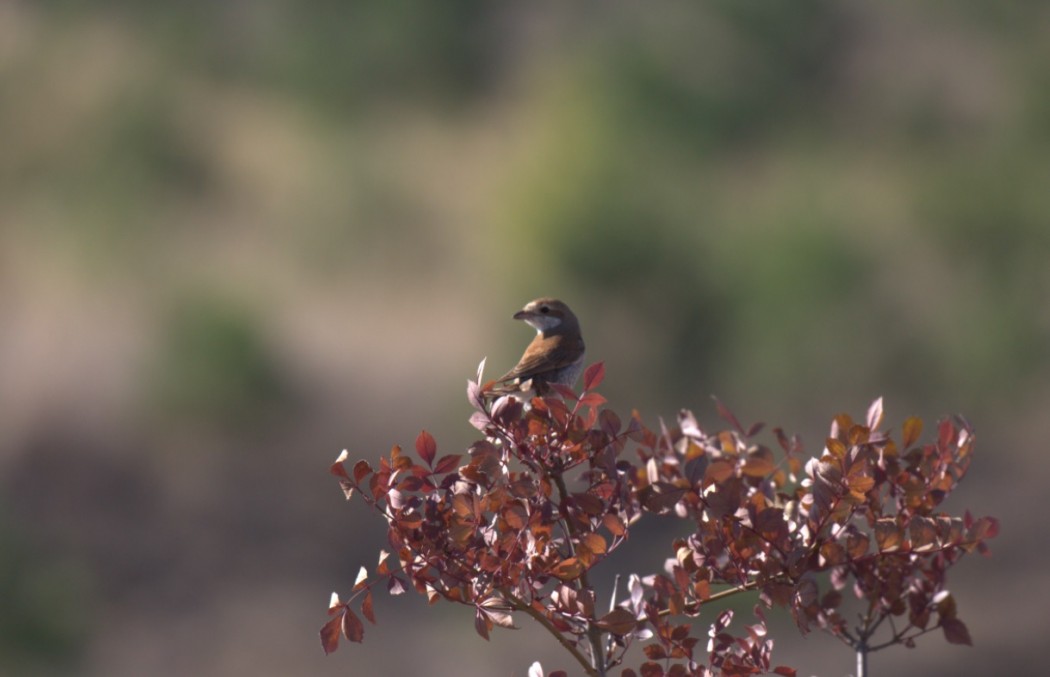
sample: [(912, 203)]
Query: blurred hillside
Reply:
[(238, 237)]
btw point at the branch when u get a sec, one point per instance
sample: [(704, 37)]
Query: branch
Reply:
[(520, 605), (594, 633)]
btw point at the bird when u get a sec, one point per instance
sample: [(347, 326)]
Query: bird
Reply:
[(555, 354)]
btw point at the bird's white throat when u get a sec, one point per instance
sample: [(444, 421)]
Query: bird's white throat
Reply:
[(542, 323)]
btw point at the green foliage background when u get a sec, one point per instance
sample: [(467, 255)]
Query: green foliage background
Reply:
[(238, 237)]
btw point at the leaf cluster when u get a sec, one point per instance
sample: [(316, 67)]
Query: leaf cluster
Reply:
[(558, 484)]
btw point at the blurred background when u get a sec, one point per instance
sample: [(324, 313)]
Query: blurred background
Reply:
[(238, 237)]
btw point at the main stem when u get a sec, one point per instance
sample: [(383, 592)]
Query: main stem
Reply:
[(594, 633), (862, 658)]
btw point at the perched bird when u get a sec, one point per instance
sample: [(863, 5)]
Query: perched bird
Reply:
[(554, 356)]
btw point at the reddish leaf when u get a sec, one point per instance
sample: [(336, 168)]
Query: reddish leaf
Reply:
[(353, 629), (588, 503), (337, 468), (619, 621), (783, 670), (728, 416), (654, 652), (592, 400), (984, 528), (946, 434), (593, 376), (361, 470), (955, 631), (426, 447), (330, 634), (447, 463), (410, 484), (366, 608), (651, 669)]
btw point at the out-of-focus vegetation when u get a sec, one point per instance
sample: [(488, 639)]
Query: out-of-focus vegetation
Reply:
[(237, 237)]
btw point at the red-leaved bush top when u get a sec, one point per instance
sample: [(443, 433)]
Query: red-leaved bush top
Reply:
[(553, 487)]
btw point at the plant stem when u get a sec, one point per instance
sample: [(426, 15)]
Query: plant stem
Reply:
[(594, 633), (520, 605)]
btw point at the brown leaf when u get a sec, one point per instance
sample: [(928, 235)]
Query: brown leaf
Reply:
[(984, 528), (353, 629), (482, 624), (568, 569), (515, 516), (654, 652), (337, 468), (588, 503), (857, 544), (860, 484), (660, 496), (614, 524), (592, 400), (619, 621), (887, 535), (361, 470), (447, 463), (366, 608), (426, 447), (955, 631), (946, 434), (923, 533), (330, 634), (718, 471), (836, 447), (759, 463), (595, 543), (728, 416), (609, 422), (593, 376)]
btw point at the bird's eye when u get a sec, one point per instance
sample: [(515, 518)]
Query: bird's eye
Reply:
[(545, 309)]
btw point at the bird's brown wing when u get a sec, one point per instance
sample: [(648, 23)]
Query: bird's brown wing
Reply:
[(545, 355)]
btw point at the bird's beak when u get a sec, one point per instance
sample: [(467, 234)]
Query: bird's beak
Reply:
[(521, 315)]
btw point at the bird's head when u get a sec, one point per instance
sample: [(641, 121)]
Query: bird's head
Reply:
[(548, 315)]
